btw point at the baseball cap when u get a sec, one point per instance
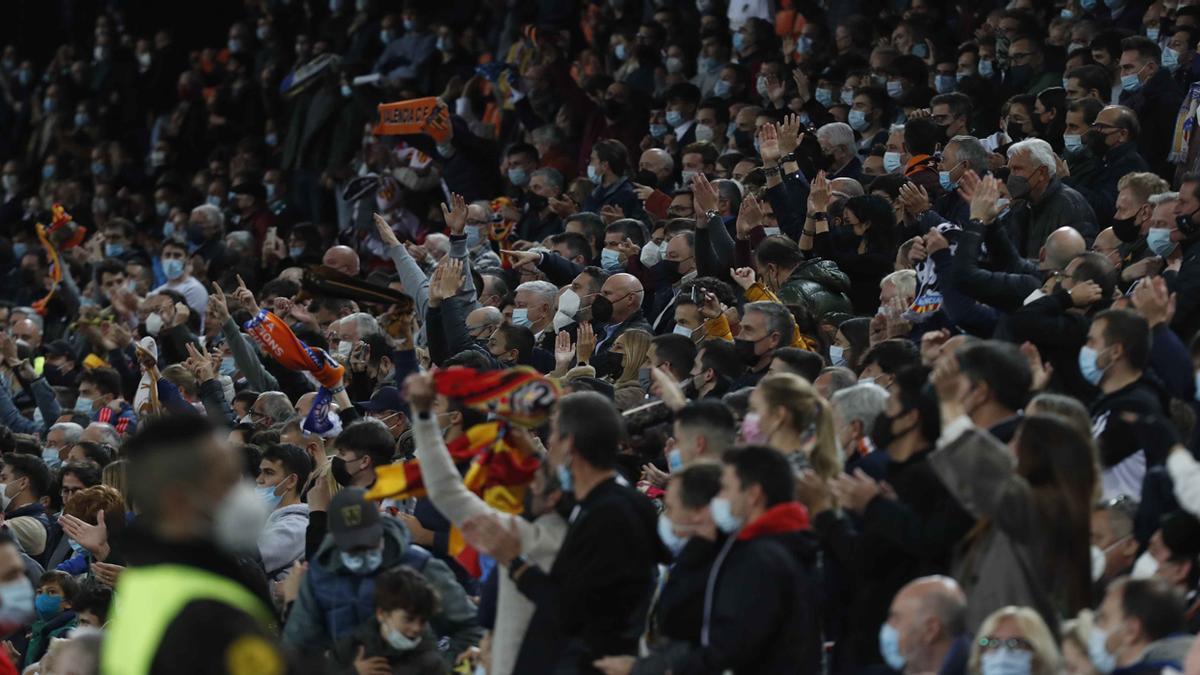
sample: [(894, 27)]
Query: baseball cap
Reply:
[(354, 522), (256, 190), (58, 348), (387, 398)]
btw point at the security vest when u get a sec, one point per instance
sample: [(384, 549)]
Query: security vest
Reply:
[(148, 599)]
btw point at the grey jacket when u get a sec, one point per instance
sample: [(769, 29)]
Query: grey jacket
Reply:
[(1030, 222), (456, 619), (246, 358), (416, 283), (1000, 567), (281, 541), (47, 403)]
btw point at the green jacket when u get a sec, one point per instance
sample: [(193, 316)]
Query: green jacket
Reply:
[(41, 632), (423, 660), (820, 286)]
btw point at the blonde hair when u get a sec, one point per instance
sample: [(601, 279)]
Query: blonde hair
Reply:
[(806, 409), (1047, 659), (1078, 630), (637, 348), (116, 475), (1143, 185)]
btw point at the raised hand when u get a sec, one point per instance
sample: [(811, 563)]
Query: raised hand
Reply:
[(564, 351), (704, 195), (452, 276), (611, 213), (199, 364), (245, 297), (455, 214), (386, 235), (750, 216), (1086, 293), (819, 194), (642, 192), (803, 91), (219, 305), (768, 144), (523, 259), (914, 198), (585, 343), (983, 200), (1154, 302), (743, 276), (789, 133), (1041, 371)]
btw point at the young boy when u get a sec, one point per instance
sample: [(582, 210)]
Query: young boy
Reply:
[(397, 636), (55, 617), (91, 606)]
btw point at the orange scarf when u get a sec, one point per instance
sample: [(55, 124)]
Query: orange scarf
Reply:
[(278, 340)]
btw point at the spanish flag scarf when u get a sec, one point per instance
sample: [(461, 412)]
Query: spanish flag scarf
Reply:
[(59, 219)]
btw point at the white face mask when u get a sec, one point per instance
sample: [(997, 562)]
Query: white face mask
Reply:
[(154, 324), (16, 602), (344, 348), (239, 518), (4, 498), (1145, 567)]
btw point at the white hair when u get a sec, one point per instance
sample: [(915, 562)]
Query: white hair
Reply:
[(896, 129), (111, 437), (71, 431), (211, 214), (838, 134), (1163, 198), (367, 324), (1039, 151), (545, 290), (905, 282), (436, 241), (860, 403)]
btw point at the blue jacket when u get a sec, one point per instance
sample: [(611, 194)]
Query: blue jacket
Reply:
[(333, 601)]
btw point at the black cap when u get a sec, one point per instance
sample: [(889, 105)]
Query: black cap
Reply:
[(256, 190), (58, 348), (354, 522), (387, 398)]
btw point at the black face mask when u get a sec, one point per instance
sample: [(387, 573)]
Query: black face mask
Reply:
[(745, 142), (882, 434), (602, 309), (1126, 229), (745, 351), (340, 474), (536, 202), (945, 131), (613, 108), (606, 363), (647, 178), (1094, 140), (671, 269), (1019, 76), (1014, 131)]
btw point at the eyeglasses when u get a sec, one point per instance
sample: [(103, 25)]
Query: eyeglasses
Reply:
[(990, 642), (1103, 126)]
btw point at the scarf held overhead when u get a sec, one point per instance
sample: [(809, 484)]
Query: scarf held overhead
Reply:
[(278, 340)]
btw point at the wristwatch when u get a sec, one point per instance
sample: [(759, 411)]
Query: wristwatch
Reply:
[(819, 215), (790, 157), (712, 213)]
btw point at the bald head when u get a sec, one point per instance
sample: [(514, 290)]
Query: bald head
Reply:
[(846, 186), (478, 213), (625, 293), (482, 322), (1062, 246), (928, 614), (342, 259), (659, 163), (942, 598), (99, 432)]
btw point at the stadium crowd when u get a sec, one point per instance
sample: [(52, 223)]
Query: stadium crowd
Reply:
[(657, 336)]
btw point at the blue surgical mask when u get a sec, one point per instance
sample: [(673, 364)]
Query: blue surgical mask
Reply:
[(1131, 82), (944, 180), (47, 606), (520, 317), (706, 64), (114, 250), (1088, 367), (385, 36), (837, 356), (1159, 240), (295, 252), (683, 330), (804, 44), (51, 458), (268, 496), (168, 229), (594, 174), (1097, 650), (658, 131), (825, 96), (81, 120), (674, 118), (985, 67), (722, 515), (474, 235), (83, 405), (228, 366), (1152, 33), (213, 200), (47, 171), (891, 162), (444, 45), (1007, 661), (675, 460), (666, 533), (409, 24), (19, 249), (1197, 378), (739, 41), (271, 139), (362, 563), (889, 647), (945, 83), (920, 50), (173, 268), (98, 169), (1072, 142), (848, 96), (895, 88), (347, 92), (858, 120), (620, 52), (565, 480), (1170, 59), (722, 89), (610, 260), (518, 177)]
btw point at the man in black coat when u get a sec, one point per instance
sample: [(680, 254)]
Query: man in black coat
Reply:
[(762, 598), (1115, 138), (1185, 283), (1154, 96), (593, 601)]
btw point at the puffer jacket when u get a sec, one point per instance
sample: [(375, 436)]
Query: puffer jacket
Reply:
[(819, 285)]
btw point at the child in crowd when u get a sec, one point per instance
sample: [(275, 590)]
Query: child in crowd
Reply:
[(54, 604), (397, 637), (92, 604)]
